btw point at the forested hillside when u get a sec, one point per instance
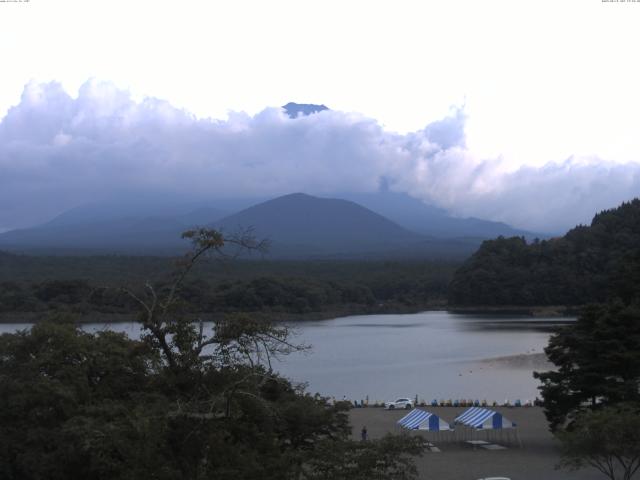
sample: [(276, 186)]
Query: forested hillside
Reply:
[(92, 285), (589, 264)]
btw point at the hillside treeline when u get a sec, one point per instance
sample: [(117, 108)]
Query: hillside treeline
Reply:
[(589, 264), (271, 287)]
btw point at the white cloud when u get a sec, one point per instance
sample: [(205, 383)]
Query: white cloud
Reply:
[(57, 152)]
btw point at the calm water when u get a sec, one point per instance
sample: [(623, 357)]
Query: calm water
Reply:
[(431, 354)]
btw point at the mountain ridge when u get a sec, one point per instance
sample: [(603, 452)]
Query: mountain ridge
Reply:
[(425, 219), (301, 226)]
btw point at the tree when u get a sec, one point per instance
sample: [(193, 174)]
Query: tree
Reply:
[(69, 400), (607, 439), (589, 264), (597, 360), (180, 403), (390, 458)]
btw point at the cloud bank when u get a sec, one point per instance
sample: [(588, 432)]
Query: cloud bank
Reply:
[(57, 152)]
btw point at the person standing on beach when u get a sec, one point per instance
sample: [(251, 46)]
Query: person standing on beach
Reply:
[(363, 434)]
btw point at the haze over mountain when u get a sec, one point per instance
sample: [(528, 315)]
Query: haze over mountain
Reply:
[(59, 151), (152, 235), (121, 227), (180, 210), (419, 217), (300, 225), (297, 225)]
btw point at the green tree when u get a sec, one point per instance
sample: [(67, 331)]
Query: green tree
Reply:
[(390, 458), (597, 360), (589, 264), (607, 439), (65, 399), (180, 403)]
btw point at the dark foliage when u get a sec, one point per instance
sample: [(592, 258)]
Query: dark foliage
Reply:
[(589, 264), (181, 403), (75, 405), (607, 439), (86, 285), (597, 360)]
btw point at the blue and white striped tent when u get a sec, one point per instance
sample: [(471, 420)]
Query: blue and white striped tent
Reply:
[(423, 420), (483, 419)]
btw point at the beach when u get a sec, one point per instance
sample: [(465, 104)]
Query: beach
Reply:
[(536, 459)]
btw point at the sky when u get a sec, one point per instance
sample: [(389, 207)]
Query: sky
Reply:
[(541, 99)]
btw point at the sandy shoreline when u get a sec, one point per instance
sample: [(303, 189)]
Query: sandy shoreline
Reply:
[(536, 460)]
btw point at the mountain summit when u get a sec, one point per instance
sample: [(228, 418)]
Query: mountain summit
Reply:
[(298, 222), (295, 110), (298, 226)]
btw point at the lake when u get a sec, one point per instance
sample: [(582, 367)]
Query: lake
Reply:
[(431, 354)]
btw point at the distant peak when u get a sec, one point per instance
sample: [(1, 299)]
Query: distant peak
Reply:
[(297, 195), (295, 110)]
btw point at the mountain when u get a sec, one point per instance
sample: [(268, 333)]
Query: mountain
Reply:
[(134, 235), (170, 207), (589, 264), (294, 110), (300, 225), (419, 217), (200, 216), (299, 218), (112, 228)]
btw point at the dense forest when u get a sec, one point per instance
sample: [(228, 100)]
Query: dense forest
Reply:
[(183, 401), (589, 264), (88, 286)]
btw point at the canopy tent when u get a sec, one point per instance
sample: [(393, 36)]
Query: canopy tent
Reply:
[(423, 420), (483, 419)]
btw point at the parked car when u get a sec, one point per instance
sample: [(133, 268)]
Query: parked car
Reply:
[(494, 478), (399, 403)]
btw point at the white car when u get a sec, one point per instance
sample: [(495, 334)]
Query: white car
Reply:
[(399, 403)]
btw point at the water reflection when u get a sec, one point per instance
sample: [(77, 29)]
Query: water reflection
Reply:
[(430, 354), (510, 322)]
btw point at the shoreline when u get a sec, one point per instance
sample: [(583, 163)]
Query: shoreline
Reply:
[(555, 311), (381, 309), (274, 316)]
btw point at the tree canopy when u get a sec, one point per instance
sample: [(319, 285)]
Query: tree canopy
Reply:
[(606, 439), (179, 403), (597, 360), (589, 264)]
